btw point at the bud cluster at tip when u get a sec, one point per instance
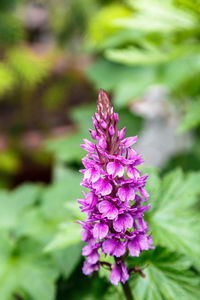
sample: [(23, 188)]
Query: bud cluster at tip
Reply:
[(114, 204)]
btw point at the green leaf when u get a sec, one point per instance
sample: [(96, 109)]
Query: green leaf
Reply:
[(173, 219), (28, 271), (60, 196), (169, 18), (107, 75), (133, 87), (13, 204), (34, 225), (67, 262), (178, 71), (69, 234), (134, 56), (167, 278), (100, 26), (67, 149), (191, 118), (60, 206), (128, 82)]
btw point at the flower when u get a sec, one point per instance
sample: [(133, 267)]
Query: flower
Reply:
[(119, 273), (115, 203)]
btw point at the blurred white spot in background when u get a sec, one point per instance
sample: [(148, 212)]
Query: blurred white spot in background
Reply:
[(158, 140)]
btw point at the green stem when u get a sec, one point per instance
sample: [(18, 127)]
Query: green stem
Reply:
[(127, 291)]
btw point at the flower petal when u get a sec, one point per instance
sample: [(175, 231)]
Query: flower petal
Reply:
[(121, 133), (108, 246), (102, 142), (93, 134), (108, 209), (126, 193), (92, 174), (120, 249), (100, 231), (111, 130), (144, 194), (88, 146), (102, 187), (144, 242), (115, 275), (132, 172), (124, 273), (143, 226), (129, 141), (115, 169), (93, 257), (87, 250), (123, 222), (91, 199), (134, 247), (89, 268)]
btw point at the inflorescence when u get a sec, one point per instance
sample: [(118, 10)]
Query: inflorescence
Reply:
[(115, 202)]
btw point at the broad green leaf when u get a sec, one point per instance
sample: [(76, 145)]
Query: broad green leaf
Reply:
[(67, 149), (167, 278), (132, 88), (100, 26), (69, 234), (28, 271), (150, 54), (6, 248), (107, 75), (135, 56), (169, 18), (173, 219), (59, 199), (67, 259), (178, 71), (34, 225), (128, 82), (14, 203)]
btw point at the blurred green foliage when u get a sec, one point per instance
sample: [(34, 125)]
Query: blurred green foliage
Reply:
[(30, 217), (156, 43)]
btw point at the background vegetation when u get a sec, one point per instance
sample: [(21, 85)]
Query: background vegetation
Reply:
[(54, 56)]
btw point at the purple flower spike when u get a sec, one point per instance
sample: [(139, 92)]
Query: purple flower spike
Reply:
[(115, 203)]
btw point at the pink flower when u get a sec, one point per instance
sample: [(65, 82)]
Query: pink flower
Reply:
[(119, 273), (107, 209)]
